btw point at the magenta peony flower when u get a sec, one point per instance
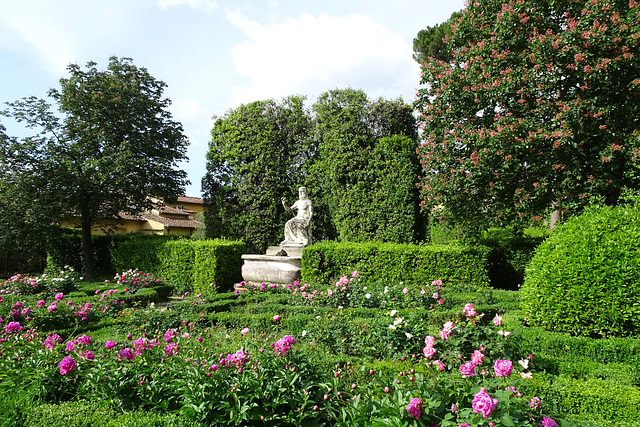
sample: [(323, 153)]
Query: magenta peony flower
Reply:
[(84, 339), (283, 345), (468, 369), (415, 407), (548, 422), (483, 403), (127, 353), (41, 303), (51, 341), (109, 344), (12, 327), (67, 365), (59, 296), (88, 354), (503, 368), (171, 349)]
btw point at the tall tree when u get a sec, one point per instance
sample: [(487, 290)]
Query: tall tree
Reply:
[(114, 145), (361, 144), (538, 107), (432, 41), (254, 159)]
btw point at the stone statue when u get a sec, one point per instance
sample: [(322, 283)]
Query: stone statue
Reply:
[(297, 230)]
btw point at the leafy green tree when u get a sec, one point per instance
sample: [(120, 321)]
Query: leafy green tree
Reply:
[(430, 42), (538, 107), (112, 145), (365, 168), (254, 159)]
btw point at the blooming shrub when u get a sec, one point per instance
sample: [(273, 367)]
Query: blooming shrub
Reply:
[(133, 280)]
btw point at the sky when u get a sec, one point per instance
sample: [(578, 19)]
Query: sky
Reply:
[(216, 55)]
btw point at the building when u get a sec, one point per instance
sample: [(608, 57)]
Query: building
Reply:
[(183, 218)]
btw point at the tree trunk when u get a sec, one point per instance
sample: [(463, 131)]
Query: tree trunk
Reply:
[(556, 214), (87, 247)]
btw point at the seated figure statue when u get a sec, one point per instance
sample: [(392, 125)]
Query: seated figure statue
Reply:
[(297, 230)]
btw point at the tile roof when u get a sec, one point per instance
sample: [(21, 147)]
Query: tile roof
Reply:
[(171, 222), (173, 211), (187, 199)]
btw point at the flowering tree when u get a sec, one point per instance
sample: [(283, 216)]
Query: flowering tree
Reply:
[(112, 146), (538, 109)]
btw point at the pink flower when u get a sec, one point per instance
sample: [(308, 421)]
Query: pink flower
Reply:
[(464, 425), (468, 369), (12, 327), (18, 305), (109, 344), (415, 407), (51, 341), (436, 283), (405, 290), (59, 296), (429, 340), (440, 365), (245, 331), (548, 422), (84, 339), (283, 345), (344, 280), (435, 295), (497, 321), (52, 307), (276, 317), (127, 353), (477, 357), (67, 365), (88, 354), (429, 352), (446, 330), (503, 368), (535, 402), (169, 335), (483, 403), (41, 303), (171, 349), (469, 311)]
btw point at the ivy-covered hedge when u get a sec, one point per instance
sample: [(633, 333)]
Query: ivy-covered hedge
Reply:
[(419, 264), (188, 265)]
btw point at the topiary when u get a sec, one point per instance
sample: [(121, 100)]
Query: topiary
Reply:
[(585, 278)]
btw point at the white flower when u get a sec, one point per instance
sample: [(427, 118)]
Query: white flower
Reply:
[(524, 363), (408, 335), (392, 327), (318, 317), (386, 289), (398, 321), (367, 296), (526, 375), (304, 333), (393, 313)]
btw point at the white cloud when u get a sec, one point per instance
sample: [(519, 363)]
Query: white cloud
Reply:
[(310, 55), (39, 23), (208, 6)]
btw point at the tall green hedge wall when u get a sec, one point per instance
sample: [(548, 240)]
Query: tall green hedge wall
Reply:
[(420, 264), (186, 264)]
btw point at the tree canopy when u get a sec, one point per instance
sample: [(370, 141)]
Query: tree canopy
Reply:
[(254, 159), (355, 156), (431, 42), (538, 107), (111, 145)]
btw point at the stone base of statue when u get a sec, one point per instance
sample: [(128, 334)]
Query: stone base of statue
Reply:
[(271, 268)]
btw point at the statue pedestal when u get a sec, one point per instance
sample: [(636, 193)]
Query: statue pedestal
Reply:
[(271, 268)]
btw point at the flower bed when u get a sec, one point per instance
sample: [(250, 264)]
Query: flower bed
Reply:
[(331, 358)]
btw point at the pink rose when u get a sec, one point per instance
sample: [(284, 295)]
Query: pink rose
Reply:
[(477, 357), (503, 368), (415, 407), (245, 331), (497, 321), (67, 365), (548, 422), (468, 369), (276, 317), (429, 352), (440, 365), (483, 403)]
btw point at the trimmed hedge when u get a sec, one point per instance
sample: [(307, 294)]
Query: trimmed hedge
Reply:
[(188, 265), (419, 264), (585, 278)]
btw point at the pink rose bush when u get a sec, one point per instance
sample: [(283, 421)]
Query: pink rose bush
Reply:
[(483, 403)]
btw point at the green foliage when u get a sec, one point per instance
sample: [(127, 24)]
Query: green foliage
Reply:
[(416, 264), (364, 173), (429, 43), (115, 145), (584, 278), (528, 115), (254, 159), (187, 265)]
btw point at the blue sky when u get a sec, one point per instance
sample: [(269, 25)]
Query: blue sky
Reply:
[(215, 55)]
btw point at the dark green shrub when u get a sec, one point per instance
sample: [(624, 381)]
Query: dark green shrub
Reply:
[(417, 264), (585, 278), (177, 264), (218, 262)]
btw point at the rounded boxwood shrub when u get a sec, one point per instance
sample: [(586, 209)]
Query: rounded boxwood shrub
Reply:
[(585, 278)]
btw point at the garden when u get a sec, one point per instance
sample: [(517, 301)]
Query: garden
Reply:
[(359, 349)]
